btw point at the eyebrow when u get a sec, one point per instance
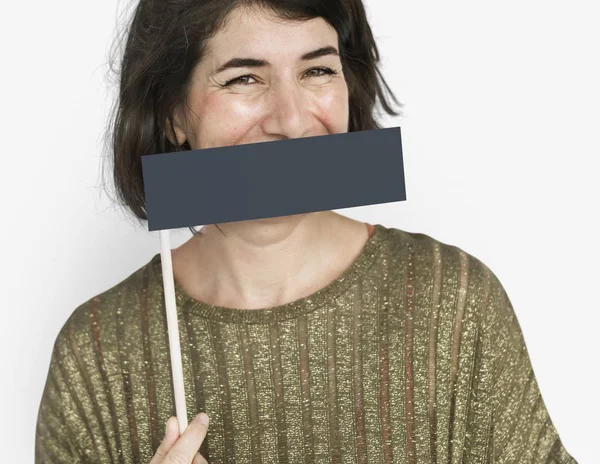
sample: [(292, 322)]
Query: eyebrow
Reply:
[(256, 63)]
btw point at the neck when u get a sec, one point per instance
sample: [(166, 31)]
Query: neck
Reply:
[(266, 262)]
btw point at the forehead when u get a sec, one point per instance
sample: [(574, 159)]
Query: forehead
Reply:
[(258, 31)]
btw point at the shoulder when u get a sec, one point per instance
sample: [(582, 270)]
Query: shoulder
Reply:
[(450, 285), (440, 266), (106, 312), (428, 251)]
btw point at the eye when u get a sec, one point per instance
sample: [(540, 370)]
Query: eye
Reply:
[(243, 79), (237, 79), (325, 70)]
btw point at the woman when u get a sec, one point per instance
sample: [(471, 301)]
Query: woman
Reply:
[(305, 338)]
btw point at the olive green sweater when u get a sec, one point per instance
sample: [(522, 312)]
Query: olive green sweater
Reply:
[(413, 355)]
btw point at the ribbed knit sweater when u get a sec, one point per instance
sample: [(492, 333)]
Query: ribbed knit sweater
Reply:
[(413, 355)]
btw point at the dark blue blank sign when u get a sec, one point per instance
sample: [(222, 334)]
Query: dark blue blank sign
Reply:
[(272, 179)]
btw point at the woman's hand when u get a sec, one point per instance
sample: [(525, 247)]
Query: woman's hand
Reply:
[(183, 449)]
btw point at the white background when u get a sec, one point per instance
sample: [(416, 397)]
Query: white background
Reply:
[(500, 137)]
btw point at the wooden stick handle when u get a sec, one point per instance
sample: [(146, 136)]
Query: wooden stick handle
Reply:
[(173, 328)]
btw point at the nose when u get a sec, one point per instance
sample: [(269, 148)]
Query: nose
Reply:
[(288, 113)]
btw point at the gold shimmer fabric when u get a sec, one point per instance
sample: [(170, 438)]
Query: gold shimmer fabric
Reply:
[(413, 355)]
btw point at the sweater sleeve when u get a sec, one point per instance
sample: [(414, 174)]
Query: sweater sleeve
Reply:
[(61, 432), (521, 430)]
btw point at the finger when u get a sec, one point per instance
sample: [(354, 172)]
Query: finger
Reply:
[(188, 444), (171, 435), (172, 431), (199, 459)]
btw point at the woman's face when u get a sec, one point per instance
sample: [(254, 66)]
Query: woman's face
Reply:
[(260, 81)]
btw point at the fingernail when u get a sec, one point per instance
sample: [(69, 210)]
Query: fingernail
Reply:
[(203, 418)]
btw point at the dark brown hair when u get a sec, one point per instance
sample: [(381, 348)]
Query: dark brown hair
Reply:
[(165, 40)]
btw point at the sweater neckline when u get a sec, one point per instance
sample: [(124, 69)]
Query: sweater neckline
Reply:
[(285, 311)]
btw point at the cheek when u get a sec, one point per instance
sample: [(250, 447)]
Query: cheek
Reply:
[(223, 119), (333, 110)]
